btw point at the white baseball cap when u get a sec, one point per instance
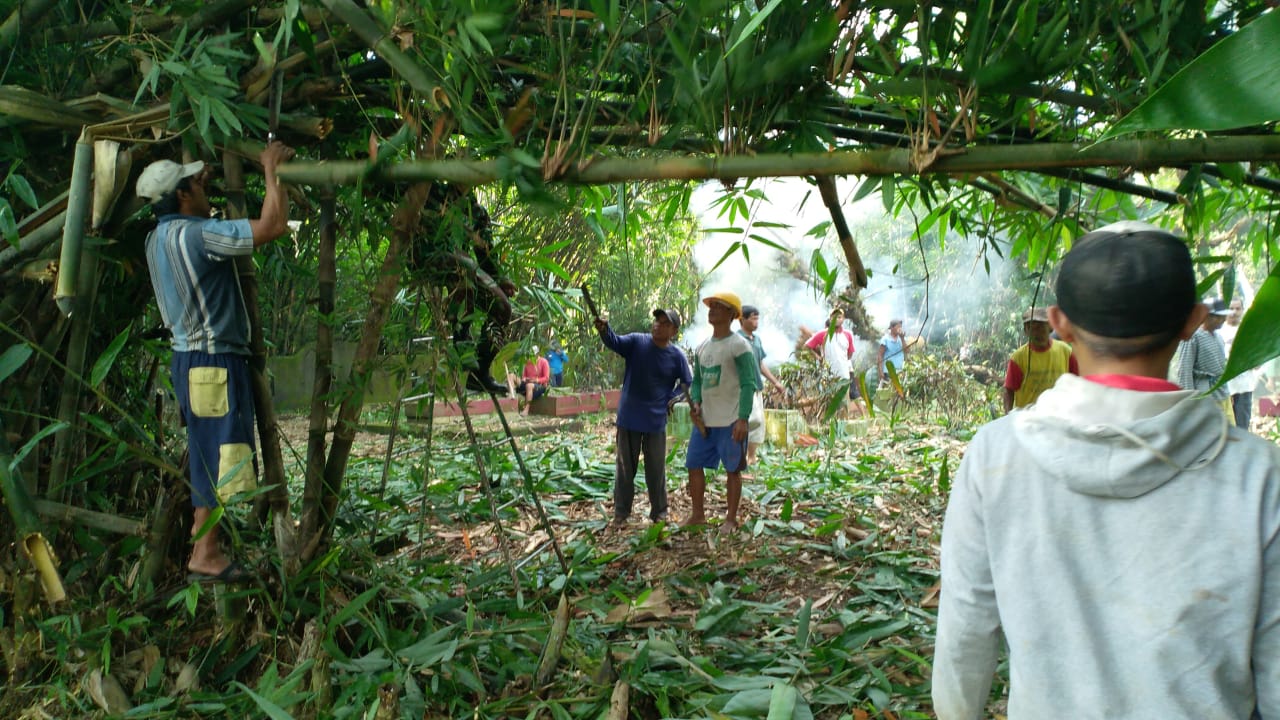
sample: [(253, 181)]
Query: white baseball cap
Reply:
[(162, 177)]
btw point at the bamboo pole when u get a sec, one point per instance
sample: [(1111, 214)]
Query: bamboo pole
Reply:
[(322, 382), (73, 231), (20, 104), (23, 17), (1147, 153), (66, 445), (71, 515), (555, 643), (264, 409), (404, 226), (827, 189), (382, 44)]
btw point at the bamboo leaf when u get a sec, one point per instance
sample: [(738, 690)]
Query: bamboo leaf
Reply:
[(273, 711), (802, 624), (102, 367), (8, 225), (1233, 84), (354, 606), (13, 359), (782, 701), (1258, 339), (753, 25), (20, 187), (33, 442)]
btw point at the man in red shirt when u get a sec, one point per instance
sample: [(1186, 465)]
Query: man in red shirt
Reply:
[(534, 380), (1037, 365)]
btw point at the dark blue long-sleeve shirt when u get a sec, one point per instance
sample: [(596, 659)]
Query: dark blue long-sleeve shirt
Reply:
[(652, 378)]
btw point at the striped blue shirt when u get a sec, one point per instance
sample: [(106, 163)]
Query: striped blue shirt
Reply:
[(196, 283)]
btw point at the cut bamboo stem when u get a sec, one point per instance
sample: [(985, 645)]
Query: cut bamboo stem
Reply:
[(73, 231), (41, 555), (555, 643), (620, 701)]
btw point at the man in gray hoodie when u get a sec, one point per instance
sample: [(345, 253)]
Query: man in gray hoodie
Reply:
[(1120, 535)]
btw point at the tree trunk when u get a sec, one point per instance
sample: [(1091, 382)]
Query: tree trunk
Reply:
[(326, 280), (404, 224)]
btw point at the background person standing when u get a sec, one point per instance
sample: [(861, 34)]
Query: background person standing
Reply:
[(836, 352), (1037, 364), (893, 350), (656, 373), (747, 326), (1241, 386), (1202, 359), (556, 358)]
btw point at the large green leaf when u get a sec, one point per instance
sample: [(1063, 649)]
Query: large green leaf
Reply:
[(1258, 339), (1233, 84)]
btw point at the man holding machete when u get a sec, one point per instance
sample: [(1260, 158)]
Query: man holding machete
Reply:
[(656, 372)]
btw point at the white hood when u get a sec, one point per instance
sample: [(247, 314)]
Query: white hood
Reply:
[(1130, 443)]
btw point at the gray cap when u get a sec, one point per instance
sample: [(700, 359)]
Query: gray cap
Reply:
[(672, 316)]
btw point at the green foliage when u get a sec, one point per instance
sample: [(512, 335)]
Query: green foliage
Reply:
[(194, 73), (1234, 84)]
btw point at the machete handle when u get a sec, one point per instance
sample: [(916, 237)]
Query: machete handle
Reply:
[(591, 305)]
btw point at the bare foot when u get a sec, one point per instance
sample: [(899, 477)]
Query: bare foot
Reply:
[(696, 521), (209, 565), (729, 526)]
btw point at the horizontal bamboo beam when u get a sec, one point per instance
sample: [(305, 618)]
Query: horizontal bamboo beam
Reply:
[(70, 515), (1140, 154)]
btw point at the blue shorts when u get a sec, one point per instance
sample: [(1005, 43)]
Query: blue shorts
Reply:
[(215, 397), (717, 448)]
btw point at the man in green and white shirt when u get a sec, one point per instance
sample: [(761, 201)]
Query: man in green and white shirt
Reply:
[(724, 380)]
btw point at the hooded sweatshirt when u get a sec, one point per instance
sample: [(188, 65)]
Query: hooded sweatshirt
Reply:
[(1127, 545)]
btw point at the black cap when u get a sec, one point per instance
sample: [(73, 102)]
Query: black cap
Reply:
[(1218, 306), (1128, 279), (672, 316)]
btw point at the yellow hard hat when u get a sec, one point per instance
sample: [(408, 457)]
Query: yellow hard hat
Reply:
[(727, 298)]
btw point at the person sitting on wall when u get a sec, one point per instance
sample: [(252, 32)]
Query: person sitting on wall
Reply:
[(535, 378)]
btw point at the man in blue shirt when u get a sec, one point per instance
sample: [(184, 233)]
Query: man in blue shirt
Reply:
[(893, 350), (191, 260), (556, 358), (655, 375)]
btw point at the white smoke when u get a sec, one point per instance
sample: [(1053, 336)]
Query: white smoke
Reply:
[(791, 209)]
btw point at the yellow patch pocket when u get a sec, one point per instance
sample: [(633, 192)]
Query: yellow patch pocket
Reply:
[(235, 470), (207, 387)]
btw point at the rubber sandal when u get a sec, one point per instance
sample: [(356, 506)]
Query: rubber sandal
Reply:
[(231, 574)]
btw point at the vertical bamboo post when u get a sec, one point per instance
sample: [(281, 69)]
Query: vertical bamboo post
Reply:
[(268, 428), (317, 430), (73, 231), (65, 444)]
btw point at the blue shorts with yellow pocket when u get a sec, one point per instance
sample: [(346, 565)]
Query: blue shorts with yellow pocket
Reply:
[(215, 398)]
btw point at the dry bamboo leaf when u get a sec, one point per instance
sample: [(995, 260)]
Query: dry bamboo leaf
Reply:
[(106, 693), (188, 679), (930, 599)]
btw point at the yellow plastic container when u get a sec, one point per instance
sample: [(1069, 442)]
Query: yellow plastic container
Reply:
[(782, 426)]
